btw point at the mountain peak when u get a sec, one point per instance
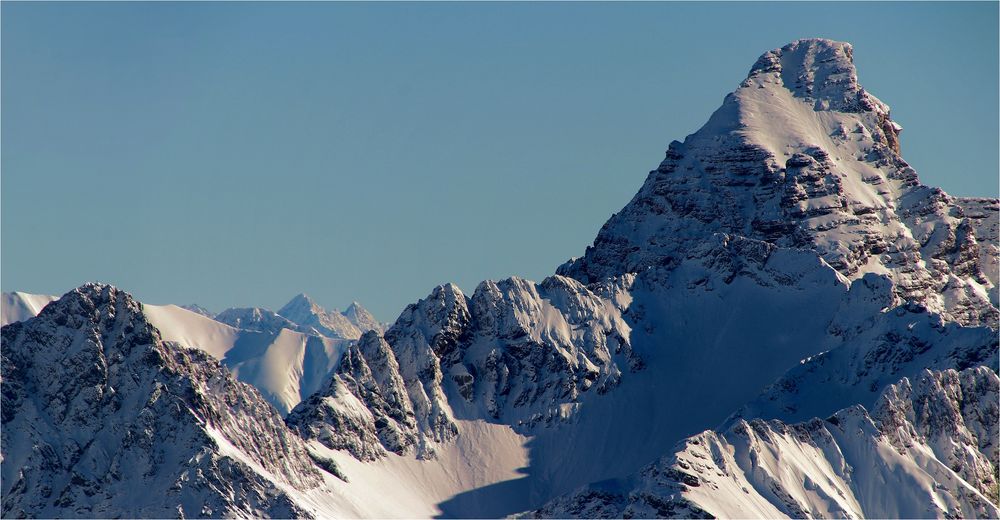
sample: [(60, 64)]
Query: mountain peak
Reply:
[(302, 298), (93, 299), (801, 156), (804, 54), (113, 408), (300, 305), (818, 70), (362, 318)]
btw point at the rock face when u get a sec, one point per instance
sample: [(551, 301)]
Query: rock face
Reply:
[(801, 156), (102, 418), (365, 408), (929, 449), (516, 352), (350, 324)]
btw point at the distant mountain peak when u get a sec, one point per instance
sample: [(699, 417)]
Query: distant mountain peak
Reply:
[(301, 300), (349, 324), (194, 307)]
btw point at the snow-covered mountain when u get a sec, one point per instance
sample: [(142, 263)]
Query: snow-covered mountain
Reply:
[(877, 349), (801, 156), (194, 307), (284, 365), (680, 314), (349, 324), (102, 418), (781, 264), (516, 352), (302, 314), (927, 449), (362, 319)]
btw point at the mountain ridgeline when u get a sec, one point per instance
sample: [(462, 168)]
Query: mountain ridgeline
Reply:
[(825, 346)]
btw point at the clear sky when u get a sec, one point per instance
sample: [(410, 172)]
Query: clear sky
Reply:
[(235, 154)]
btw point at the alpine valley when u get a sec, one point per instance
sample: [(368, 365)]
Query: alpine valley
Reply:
[(783, 322)]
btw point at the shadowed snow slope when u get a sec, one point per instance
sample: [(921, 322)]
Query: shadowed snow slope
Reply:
[(929, 449)]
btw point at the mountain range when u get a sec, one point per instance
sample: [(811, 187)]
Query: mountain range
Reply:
[(783, 322)]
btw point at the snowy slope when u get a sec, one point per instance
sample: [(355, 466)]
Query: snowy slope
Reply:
[(285, 366), (19, 306), (928, 449)]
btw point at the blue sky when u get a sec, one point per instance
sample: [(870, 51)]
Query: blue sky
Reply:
[(235, 154)]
